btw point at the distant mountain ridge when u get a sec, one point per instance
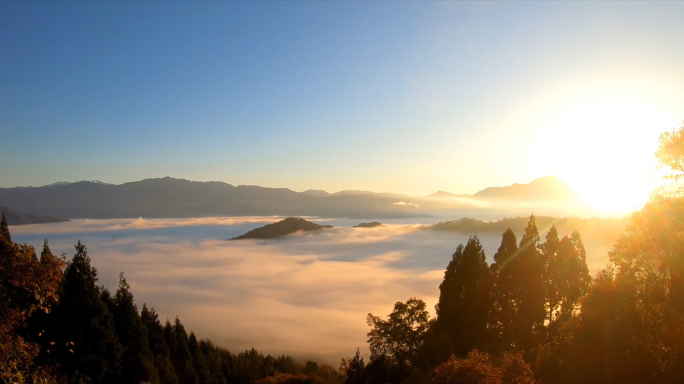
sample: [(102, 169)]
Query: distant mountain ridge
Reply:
[(18, 218), (543, 188), (169, 197)]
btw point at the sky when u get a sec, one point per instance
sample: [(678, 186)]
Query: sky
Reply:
[(407, 97)]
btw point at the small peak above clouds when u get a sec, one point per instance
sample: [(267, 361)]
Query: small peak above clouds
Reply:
[(447, 194)]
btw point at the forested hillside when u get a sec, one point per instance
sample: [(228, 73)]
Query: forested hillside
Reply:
[(58, 325)]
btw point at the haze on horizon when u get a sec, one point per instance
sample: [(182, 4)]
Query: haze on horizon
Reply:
[(401, 97)]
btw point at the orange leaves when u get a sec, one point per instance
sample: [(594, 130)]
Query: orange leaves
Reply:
[(478, 368)]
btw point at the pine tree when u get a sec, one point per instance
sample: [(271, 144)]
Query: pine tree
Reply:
[(158, 346), (180, 354), (550, 251), (566, 275), (529, 269), (356, 370), (573, 274), (137, 359), (504, 292), (88, 344), (199, 361), (464, 301), (5, 238)]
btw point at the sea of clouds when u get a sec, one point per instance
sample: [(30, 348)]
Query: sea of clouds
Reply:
[(306, 295)]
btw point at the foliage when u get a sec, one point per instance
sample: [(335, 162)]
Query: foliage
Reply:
[(478, 368), (401, 336), (26, 286), (670, 152), (137, 359), (355, 370), (631, 324), (464, 300)]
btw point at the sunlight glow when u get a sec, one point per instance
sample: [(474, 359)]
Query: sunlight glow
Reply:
[(604, 149)]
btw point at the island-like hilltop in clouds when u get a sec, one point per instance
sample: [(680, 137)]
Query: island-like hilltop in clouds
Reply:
[(169, 197), (282, 228)]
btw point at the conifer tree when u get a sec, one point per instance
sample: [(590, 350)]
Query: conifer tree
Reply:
[(88, 344), (215, 359), (158, 346), (464, 301), (180, 354), (570, 275), (356, 370), (529, 270), (137, 360), (550, 251), (504, 292), (5, 238), (199, 361), (46, 253)]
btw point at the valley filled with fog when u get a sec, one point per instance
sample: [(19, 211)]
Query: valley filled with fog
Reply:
[(305, 294)]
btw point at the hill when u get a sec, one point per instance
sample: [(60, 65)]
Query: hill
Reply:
[(17, 218), (372, 224), (282, 228), (607, 230), (544, 188)]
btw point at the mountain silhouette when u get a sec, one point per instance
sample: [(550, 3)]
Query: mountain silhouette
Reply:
[(17, 218), (169, 197), (544, 188), (282, 228)]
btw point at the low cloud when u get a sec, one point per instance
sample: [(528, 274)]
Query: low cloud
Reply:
[(101, 225), (405, 204), (306, 295)]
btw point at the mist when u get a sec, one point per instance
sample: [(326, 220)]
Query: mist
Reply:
[(306, 295)]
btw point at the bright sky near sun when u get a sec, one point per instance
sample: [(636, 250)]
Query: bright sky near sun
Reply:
[(408, 97)]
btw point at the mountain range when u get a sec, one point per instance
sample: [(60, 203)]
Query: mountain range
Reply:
[(169, 197), (18, 218)]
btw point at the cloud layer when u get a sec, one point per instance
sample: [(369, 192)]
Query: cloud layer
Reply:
[(306, 295)]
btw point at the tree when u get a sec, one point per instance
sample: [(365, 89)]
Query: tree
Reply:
[(670, 152), (478, 368), (199, 361), (401, 336), (355, 370), (566, 275), (180, 354), (27, 287), (528, 269), (157, 345), (504, 292), (83, 325), (549, 250), (464, 300), (5, 238), (137, 360)]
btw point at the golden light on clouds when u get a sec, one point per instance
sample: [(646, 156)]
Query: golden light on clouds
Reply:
[(604, 149)]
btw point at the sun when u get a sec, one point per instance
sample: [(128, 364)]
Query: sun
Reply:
[(604, 149)]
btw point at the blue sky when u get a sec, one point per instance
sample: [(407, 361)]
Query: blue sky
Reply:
[(408, 97)]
